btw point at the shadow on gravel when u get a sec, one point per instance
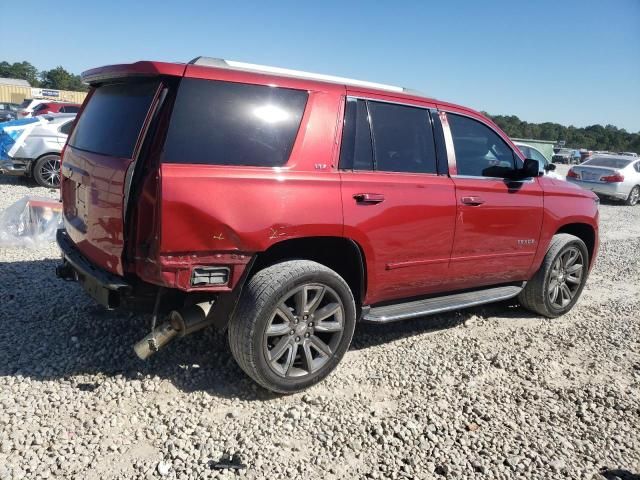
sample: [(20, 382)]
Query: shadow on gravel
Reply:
[(17, 180), (618, 474), (50, 329)]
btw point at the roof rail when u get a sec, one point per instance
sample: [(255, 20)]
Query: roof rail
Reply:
[(251, 67)]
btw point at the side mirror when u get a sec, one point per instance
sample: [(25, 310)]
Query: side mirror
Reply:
[(549, 167), (531, 168)]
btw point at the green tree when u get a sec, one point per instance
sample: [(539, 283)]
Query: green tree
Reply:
[(60, 79), (20, 70)]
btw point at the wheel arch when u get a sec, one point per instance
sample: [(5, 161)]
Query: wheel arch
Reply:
[(343, 255), (32, 165), (584, 232)]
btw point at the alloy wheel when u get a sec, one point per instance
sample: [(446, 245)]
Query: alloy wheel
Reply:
[(50, 172), (565, 277), (634, 196), (304, 330)]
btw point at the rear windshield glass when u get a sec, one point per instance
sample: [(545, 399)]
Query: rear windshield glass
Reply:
[(112, 120), (608, 162), (223, 123)]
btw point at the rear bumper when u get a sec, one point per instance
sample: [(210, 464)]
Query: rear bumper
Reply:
[(106, 288), (15, 166), (619, 191)]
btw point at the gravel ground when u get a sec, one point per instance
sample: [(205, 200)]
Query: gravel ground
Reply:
[(493, 392)]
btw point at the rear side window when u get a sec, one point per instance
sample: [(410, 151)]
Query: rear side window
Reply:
[(66, 128), (224, 123), (387, 137), (402, 138), (71, 109), (111, 122), (40, 107), (356, 152)]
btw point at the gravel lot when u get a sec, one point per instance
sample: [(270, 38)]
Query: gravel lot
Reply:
[(493, 392)]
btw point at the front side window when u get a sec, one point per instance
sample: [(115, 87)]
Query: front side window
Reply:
[(40, 107), (480, 152), (225, 123)]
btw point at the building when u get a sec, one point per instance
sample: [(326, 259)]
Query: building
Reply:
[(14, 90), (545, 146)]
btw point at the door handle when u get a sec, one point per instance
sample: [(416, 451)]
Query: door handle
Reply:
[(369, 198), (474, 201)]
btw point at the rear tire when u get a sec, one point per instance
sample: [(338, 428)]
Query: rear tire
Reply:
[(46, 171), (634, 196), (557, 285), (293, 324)]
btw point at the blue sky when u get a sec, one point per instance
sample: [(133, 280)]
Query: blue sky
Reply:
[(568, 61)]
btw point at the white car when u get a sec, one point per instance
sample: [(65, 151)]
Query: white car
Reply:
[(25, 110), (546, 167), (611, 176), (31, 147)]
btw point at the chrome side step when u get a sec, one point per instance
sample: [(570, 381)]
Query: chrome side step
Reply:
[(430, 306)]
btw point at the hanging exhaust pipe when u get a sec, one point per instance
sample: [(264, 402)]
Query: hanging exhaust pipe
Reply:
[(181, 322)]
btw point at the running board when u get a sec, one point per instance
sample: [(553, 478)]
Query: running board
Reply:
[(430, 306)]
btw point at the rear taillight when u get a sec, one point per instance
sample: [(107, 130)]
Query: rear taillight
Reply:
[(615, 178), (572, 174)]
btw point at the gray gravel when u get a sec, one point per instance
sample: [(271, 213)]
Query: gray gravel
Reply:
[(493, 392)]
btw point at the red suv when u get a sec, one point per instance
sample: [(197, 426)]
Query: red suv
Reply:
[(286, 206), (56, 107)]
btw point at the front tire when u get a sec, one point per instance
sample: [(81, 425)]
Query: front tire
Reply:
[(634, 196), (293, 325), (46, 171), (557, 285)]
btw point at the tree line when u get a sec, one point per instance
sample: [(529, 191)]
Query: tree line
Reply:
[(57, 78), (593, 137)]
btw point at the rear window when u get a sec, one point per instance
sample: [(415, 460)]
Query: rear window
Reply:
[(25, 103), (40, 107), (608, 162), (112, 120), (223, 123)]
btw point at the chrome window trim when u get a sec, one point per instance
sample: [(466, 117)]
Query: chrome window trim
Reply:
[(501, 179), (449, 137), (372, 99)]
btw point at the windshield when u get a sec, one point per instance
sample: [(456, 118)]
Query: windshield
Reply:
[(26, 103), (607, 162)]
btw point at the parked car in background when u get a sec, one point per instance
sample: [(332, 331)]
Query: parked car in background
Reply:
[(8, 111), (25, 109), (575, 157), (55, 107), (546, 167), (611, 176), (563, 155), (37, 155), (584, 154), (283, 207)]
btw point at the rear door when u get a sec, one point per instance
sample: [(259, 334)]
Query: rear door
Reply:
[(103, 145), (498, 221), (396, 205)]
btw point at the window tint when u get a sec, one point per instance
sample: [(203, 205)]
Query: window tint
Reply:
[(112, 120), (480, 152), (402, 138), (356, 151), (225, 123), (66, 128), (71, 109), (608, 162), (40, 107), (637, 166)]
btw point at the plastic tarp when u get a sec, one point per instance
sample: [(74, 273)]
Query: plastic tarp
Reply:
[(31, 222), (13, 135)]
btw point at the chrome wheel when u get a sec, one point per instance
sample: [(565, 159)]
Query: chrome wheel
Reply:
[(565, 277), (50, 171), (304, 331), (634, 196)]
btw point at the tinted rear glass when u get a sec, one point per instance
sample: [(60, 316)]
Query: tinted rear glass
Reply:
[(25, 103), (608, 162), (223, 123), (112, 120)]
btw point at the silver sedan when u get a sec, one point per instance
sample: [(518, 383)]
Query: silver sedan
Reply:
[(611, 176)]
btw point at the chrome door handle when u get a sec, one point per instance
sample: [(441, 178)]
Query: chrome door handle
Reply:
[(369, 197), (474, 201)]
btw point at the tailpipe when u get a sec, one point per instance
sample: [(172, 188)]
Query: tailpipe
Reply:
[(181, 322)]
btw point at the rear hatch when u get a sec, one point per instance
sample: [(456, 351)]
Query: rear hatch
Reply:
[(98, 162)]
